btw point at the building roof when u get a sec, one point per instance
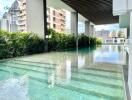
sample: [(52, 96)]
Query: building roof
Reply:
[(97, 11)]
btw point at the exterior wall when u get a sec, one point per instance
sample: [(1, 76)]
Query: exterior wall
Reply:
[(129, 4), (124, 20), (119, 7)]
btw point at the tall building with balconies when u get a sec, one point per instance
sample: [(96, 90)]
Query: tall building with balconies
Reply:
[(56, 19), (22, 17)]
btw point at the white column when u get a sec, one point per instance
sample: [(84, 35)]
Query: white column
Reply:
[(35, 17), (130, 58), (130, 34), (74, 23), (87, 28), (91, 30)]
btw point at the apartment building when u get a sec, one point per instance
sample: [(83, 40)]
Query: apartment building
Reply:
[(10, 18), (56, 19), (22, 17)]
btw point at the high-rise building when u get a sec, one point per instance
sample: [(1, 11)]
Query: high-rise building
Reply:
[(56, 19), (5, 25), (12, 17), (22, 17)]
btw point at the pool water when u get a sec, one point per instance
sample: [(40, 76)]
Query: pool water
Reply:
[(84, 74)]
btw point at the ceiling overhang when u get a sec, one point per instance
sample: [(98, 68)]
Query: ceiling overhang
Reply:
[(97, 11)]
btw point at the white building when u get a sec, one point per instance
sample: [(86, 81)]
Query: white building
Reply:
[(5, 25), (12, 17)]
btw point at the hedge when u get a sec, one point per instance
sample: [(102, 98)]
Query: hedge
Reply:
[(20, 44)]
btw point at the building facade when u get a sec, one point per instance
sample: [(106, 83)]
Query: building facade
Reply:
[(22, 17), (56, 19), (11, 18), (5, 25)]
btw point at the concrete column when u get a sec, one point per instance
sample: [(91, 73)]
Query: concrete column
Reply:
[(130, 32), (74, 23), (74, 26), (45, 25), (87, 28), (91, 30), (130, 58)]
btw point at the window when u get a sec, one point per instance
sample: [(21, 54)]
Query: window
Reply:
[(54, 25), (54, 19), (54, 13)]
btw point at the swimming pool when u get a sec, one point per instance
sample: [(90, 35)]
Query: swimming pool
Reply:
[(84, 74)]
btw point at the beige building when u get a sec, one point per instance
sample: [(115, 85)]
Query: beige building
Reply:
[(56, 19)]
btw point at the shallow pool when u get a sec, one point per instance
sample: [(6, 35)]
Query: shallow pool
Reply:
[(83, 74)]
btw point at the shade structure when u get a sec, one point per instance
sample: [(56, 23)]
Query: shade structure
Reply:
[(97, 11)]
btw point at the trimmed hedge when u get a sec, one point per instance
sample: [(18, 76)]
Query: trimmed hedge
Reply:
[(20, 44)]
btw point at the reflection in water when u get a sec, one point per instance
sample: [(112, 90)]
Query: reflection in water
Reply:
[(14, 89), (81, 61), (63, 73), (68, 72), (110, 54), (51, 80)]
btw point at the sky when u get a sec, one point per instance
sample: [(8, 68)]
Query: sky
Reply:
[(4, 4)]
